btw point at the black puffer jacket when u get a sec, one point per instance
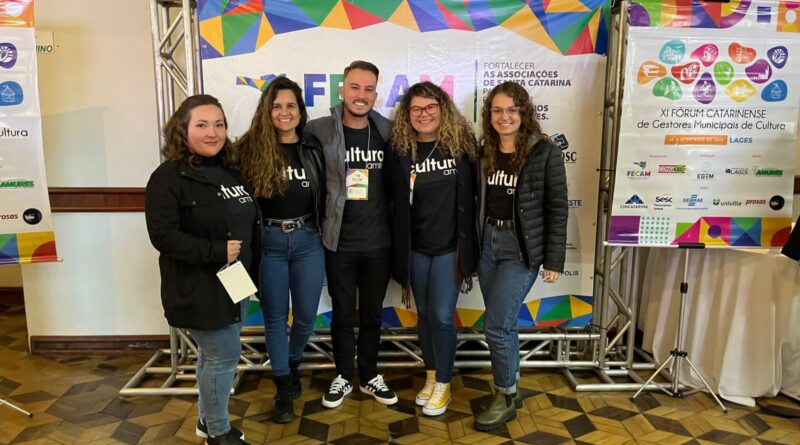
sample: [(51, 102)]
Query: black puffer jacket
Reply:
[(540, 207), (187, 223)]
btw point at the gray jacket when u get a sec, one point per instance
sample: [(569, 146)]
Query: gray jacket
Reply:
[(330, 133)]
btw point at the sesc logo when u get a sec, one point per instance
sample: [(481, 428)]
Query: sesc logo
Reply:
[(634, 202), (663, 202), (776, 202)]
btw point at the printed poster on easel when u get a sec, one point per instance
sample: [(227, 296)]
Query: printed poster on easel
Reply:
[(26, 226), (709, 125)]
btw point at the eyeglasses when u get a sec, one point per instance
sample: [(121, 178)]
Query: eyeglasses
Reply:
[(430, 109), (512, 111)]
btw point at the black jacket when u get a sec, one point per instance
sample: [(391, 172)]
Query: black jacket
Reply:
[(540, 207), (399, 168), (792, 247), (310, 153), (187, 224)]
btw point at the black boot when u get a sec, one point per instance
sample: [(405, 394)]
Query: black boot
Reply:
[(297, 387), (284, 407)]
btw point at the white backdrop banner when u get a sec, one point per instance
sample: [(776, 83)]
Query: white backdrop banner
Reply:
[(26, 228), (557, 51), (709, 127)]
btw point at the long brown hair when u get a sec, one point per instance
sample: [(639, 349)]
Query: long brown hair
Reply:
[(259, 156), (454, 134), (529, 128), (176, 140)]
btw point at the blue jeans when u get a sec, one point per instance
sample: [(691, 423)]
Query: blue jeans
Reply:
[(504, 281), (219, 352), (292, 264), (433, 280)]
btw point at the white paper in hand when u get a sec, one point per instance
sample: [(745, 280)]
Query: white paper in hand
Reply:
[(236, 281)]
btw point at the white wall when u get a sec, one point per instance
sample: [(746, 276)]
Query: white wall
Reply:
[(99, 123)]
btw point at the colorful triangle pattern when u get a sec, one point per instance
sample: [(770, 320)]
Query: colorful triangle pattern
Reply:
[(230, 28), (573, 311), (22, 248), (690, 13)]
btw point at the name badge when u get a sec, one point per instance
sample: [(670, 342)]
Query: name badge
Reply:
[(357, 183)]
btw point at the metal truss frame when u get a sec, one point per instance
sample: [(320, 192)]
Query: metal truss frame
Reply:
[(605, 348)]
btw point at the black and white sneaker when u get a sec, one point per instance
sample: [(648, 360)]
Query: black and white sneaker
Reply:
[(336, 393), (378, 389), (201, 430)]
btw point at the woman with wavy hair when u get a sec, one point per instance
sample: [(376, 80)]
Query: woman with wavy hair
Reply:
[(286, 173), (434, 241), (200, 216), (523, 216)]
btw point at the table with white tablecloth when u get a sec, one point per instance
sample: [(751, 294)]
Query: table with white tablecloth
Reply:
[(742, 318)]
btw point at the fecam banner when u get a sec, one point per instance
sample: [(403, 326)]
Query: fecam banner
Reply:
[(26, 229), (555, 49)]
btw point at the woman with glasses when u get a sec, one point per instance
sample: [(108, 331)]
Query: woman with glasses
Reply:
[(434, 240), (287, 177), (523, 215)]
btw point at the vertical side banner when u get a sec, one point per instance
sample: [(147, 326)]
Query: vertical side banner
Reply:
[(556, 49), (709, 125), (26, 228)]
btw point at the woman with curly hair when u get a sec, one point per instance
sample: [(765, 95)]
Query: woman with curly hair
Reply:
[(200, 216), (523, 215), (434, 240), (286, 173)]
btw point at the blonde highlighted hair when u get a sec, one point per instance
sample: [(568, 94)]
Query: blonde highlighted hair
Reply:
[(454, 134)]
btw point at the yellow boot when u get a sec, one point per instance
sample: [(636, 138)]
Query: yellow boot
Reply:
[(427, 390), (439, 400)]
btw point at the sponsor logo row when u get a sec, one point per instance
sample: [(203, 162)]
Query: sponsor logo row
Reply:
[(699, 202), (705, 172), (30, 216)]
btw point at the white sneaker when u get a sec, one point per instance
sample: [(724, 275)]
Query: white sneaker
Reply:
[(336, 393), (425, 393), (378, 389)]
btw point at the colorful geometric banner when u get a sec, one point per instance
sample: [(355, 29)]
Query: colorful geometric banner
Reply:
[(26, 228), (709, 125), (555, 48), (564, 311)]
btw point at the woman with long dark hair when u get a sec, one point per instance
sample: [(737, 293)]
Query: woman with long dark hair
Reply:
[(200, 216), (434, 241), (286, 173), (523, 216)]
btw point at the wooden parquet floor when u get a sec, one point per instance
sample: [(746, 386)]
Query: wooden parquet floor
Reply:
[(74, 400)]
